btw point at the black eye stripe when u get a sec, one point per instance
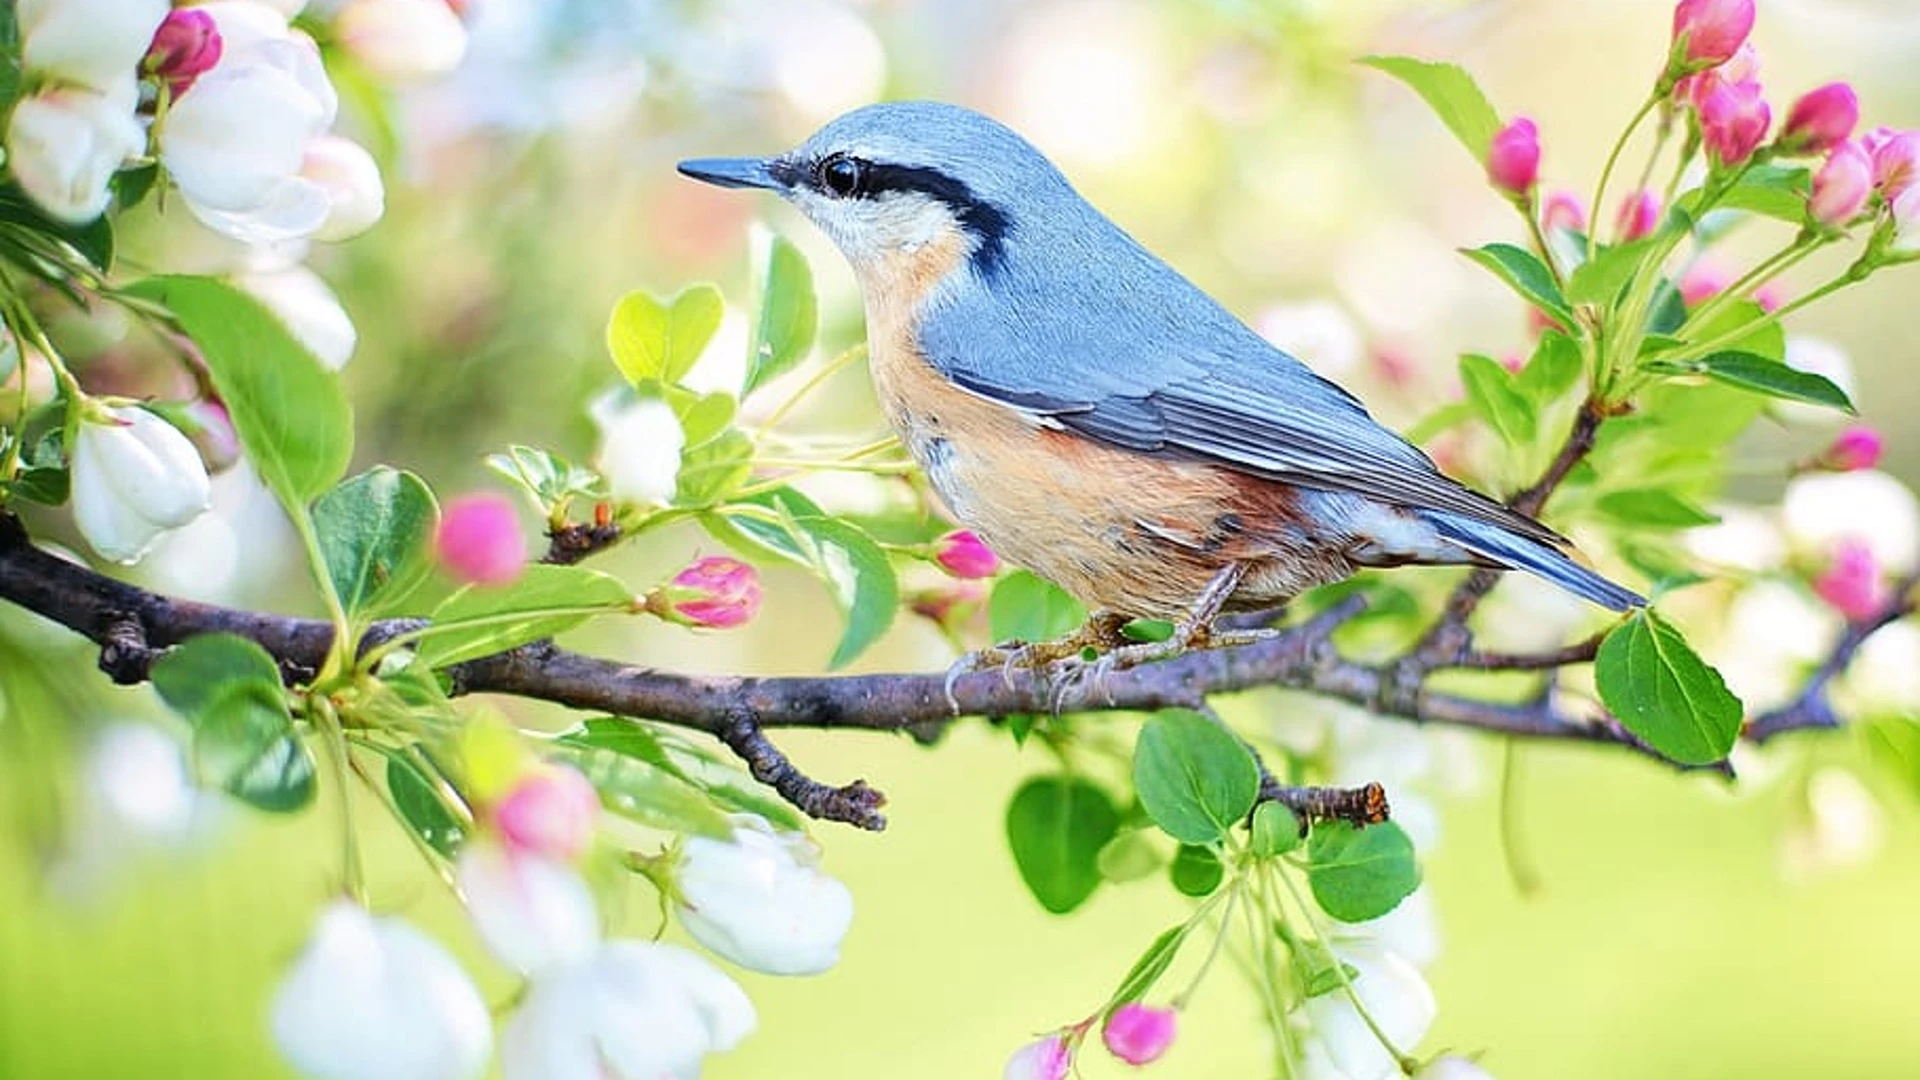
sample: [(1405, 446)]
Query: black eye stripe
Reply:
[(871, 179)]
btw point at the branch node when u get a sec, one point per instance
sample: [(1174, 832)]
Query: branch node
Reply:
[(569, 544), (855, 804), (125, 655), (1359, 806)]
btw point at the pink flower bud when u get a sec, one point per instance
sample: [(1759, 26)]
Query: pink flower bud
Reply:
[(1513, 158), (948, 606), (718, 592), (1564, 211), (1905, 213), (185, 47), (1712, 30), (1768, 297), (551, 812), (964, 555), (1044, 1059), (1896, 162), (479, 540), (1734, 118), (1742, 68), (1852, 583), (1841, 186), (1138, 1034), (1858, 447), (1639, 213), (207, 422), (1703, 280), (1821, 120)]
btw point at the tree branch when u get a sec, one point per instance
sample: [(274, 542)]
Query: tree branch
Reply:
[(1301, 657)]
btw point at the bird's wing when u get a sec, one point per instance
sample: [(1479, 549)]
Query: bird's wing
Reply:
[(1194, 382)]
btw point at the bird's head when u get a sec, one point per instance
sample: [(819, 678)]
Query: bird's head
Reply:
[(908, 188)]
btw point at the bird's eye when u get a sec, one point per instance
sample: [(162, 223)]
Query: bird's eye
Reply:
[(843, 177)]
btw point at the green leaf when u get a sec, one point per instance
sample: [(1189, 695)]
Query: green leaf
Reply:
[(714, 470), (1024, 607), (1651, 679), (292, 418), (1276, 830), (229, 691), (727, 787), (854, 567), (1763, 336), (1600, 279), (549, 477), (646, 793), (199, 670), (1553, 370), (1490, 389), (703, 417), (374, 531), (789, 316), (1195, 778), (1452, 94), (1147, 630), (1450, 415), (518, 613), (1526, 275), (1152, 964), (420, 809), (1762, 376), (1893, 745), (1196, 871), (1129, 856), (91, 240), (1360, 874), (1056, 826), (654, 340), (1653, 508), (1775, 191)]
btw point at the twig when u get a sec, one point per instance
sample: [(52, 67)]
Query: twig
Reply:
[(569, 544), (854, 804), (1811, 709)]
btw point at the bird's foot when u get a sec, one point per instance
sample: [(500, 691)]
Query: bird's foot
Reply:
[(1059, 659)]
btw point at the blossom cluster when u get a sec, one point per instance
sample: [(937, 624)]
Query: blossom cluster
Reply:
[(372, 998), (221, 117)]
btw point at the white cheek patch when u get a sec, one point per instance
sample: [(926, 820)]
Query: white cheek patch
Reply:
[(866, 229)]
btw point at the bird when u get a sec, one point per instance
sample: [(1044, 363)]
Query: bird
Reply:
[(1093, 415)]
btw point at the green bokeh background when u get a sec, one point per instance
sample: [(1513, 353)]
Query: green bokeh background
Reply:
[(1668, 939)]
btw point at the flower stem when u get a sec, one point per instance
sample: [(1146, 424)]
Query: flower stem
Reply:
[(1613, 158), (334, 738)]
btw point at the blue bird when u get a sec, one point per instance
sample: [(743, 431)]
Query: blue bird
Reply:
[(1094, 415)]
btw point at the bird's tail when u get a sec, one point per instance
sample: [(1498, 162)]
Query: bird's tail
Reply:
[(1514, 552)]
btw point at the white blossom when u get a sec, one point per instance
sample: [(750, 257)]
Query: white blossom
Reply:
[(134, 477), (356, 198), (640, 443), (236, 141), (375, 999), (1319, 333), (92, 43), (632, 1011), (1743, 539), (1819, 510), (309, 309), (1337, 1044), (761, 900), (402, 40), (1884, 677), (535, 914), (65, 143)]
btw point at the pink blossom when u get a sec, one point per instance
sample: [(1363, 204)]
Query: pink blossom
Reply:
[(1138, 1034), (1852, 583), (1821, 120), (1896, 161), (1043, 1059), (479, 540), (1734, 118), (1638, 215), (1564, 211), (1841, 186), (964, 555), (1703, 280), (1768, 297), (1712, 30), (551, 812), (185, 47), (717, 592), (1513, 158)]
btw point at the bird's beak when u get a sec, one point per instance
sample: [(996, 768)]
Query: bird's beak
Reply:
[(731, 172)]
